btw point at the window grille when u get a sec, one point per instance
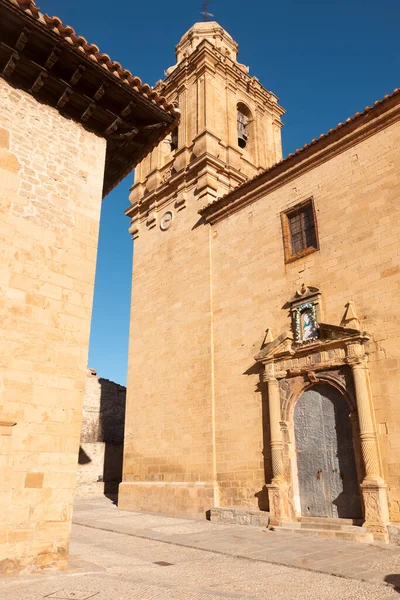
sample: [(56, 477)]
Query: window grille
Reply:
[(299, 231)]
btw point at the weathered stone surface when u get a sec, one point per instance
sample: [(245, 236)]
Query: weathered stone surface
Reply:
[(4, 138), (176, 498), (103, 417), (102, 434), (100, 468), (34, 480), (240, 516), (394, 534), (49, 216)]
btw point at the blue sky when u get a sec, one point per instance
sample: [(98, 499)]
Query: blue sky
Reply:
[(325, 60)]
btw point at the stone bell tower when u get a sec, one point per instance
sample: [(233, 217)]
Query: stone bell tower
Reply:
[(230, 124), (229, 132)]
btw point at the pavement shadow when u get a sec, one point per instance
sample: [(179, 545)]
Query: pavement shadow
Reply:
[(394, 580)]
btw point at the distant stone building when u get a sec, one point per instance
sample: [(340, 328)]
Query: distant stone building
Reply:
[(72, 124), (102, 436), (303, 419)]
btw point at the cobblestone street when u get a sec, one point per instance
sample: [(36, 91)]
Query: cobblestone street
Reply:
[(120, 555)]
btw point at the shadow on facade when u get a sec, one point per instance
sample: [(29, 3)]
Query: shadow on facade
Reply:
[(102, 437), (83, 458), (262, 495), (261, 390), (112, 424), (348, 502)]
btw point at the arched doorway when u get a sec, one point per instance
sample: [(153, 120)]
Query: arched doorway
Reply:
[(328, 483)]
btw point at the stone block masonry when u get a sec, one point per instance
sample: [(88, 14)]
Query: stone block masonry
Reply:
[(102, 435), (355, 195), (169, 453), (237, 516), (51, 176), (206, 422)]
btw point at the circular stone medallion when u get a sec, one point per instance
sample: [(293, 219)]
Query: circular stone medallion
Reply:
[(166, 221)]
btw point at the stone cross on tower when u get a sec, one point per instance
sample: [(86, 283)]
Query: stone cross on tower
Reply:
[(204, 10)]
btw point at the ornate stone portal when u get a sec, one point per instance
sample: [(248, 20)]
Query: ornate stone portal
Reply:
[(313, 353)]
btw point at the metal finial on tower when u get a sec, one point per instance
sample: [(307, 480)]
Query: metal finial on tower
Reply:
[(204, 11)]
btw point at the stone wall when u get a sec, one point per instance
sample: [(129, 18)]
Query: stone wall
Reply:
[(102, 435), (100, 468), (168, 454), (239, 516), (51, 175), (169, 457), (197, 418), (356, 200)]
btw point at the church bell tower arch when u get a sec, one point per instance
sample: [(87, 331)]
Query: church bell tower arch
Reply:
[(210, 153)]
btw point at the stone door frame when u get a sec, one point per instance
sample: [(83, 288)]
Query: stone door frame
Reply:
[(337, 357), (291, 389)]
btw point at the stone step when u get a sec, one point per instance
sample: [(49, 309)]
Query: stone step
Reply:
[(330, 520), (330, 526), (329, 531)]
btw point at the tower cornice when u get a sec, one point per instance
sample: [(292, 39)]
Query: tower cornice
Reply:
[(223, 65), (163, 195)]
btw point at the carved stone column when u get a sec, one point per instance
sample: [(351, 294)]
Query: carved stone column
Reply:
[(278, 488), (373, 487), (274, 404)]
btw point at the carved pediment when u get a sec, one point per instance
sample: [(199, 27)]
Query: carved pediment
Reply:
[(310, 339), (305, 294), (336, 332), (278, 347)]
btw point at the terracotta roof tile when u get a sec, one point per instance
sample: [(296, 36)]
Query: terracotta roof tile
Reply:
[(29, 5), (224, 200), (92, 51)]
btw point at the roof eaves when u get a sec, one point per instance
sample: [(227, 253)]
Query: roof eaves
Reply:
[(229, 198), (132, 165), (92, 52)]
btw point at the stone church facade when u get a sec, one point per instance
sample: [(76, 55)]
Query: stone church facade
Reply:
[(264, 366)]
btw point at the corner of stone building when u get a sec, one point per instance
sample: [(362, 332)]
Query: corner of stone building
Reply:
[(46, 211)]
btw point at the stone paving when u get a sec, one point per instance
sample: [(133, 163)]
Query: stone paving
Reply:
[(370, 562), (120, 555)]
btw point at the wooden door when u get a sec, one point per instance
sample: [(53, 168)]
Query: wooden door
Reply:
[(325, 455)]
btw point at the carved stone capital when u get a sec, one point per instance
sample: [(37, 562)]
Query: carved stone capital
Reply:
[(269, 372), (355, 349), (270, 380), (355, 362)]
